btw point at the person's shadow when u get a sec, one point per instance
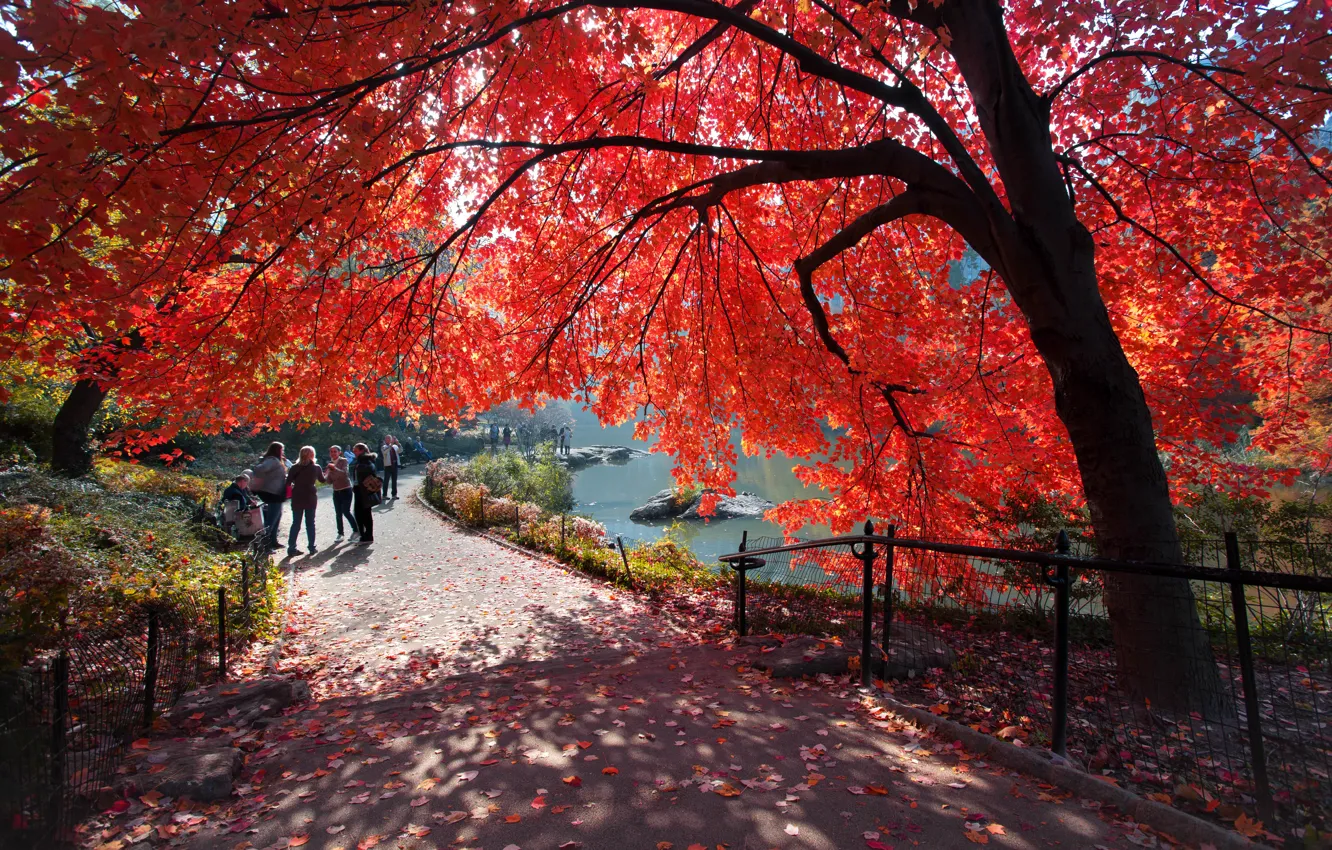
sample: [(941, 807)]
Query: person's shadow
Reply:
[(344, 559), (339, 558)]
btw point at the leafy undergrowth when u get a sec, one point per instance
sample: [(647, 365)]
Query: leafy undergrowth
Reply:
[(664, 568), (1002, 685), (74, 554)]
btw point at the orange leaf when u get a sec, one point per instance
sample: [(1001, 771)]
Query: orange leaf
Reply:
[(1247, 827), (513, 818), (976, 837), (573, 781), (297, 840), (610, 771)]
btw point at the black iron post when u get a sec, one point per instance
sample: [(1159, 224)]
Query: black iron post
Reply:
[(245, 588), (150, 671), (222, 634), (1240, 606), (59, 724), (1059, 735), (517, 520), (889, 555), (562, 518), (866, 556), (625, 558), (483, 510), (741, 626)]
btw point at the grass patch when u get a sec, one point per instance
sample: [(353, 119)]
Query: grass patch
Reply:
[(75, 553)]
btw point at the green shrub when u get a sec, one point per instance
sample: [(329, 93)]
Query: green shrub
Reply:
[(663, 565), (543, 481), (76, 553)]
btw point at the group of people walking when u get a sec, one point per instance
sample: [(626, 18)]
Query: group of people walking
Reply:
[(355, 481), (563, 439)]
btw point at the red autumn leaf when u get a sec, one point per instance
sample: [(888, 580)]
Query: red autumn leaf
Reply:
[(953, 294)]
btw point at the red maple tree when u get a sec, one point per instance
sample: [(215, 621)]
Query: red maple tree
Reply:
[(1032, 245)]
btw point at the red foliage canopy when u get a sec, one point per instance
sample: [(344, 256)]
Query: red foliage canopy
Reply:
[(771, 215)]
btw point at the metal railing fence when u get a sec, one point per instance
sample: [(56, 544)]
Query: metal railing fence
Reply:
[(1039, 650), (67, 716)]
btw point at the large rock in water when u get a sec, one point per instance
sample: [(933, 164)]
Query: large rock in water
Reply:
[(664, 506), (585, 456), (911, 652)]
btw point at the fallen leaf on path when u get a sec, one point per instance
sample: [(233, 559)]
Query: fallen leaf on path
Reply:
[(513, 818), (610, 771), (1247, 827)]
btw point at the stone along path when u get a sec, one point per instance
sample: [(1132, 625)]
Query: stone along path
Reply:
[(467, 696)]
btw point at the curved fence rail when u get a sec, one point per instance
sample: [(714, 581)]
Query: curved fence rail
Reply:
[(1035, 646), (68, 715)]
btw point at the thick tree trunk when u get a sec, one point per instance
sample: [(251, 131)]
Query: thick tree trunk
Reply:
[(1164, 654), (70, 454), (1047, 259)]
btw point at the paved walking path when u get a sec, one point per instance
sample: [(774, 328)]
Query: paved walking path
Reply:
[(471, 697)]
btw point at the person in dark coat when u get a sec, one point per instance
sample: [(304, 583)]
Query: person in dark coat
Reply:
[(364, 498), (239, 492), (301, 479)]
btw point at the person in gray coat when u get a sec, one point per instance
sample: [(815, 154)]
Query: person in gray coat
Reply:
[(269, 483)]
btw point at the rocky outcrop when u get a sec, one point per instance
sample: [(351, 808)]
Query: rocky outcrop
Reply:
[(911, 652), (585, 456), (665, 506), (237, 704), (184, 769)]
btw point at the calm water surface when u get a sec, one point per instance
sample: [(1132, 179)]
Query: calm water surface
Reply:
[(608, 493)]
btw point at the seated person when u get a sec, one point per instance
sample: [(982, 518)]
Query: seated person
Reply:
[(239, 492), (422, 450)]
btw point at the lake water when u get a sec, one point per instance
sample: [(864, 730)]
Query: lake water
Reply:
[(608, 493)]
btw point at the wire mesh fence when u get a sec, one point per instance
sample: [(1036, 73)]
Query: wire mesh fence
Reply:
[(1207, 685), (69, 713)]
